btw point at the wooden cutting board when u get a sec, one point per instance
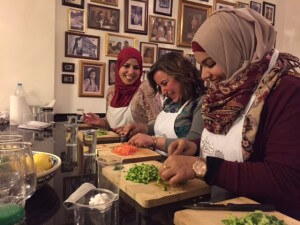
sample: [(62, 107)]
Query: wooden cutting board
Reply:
[(144, 154), (150, 195), (109, 137), (210, 217)]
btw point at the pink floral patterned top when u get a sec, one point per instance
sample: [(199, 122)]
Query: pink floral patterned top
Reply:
[(144, 105)]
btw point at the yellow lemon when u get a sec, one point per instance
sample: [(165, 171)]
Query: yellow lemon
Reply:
[(42, 161)]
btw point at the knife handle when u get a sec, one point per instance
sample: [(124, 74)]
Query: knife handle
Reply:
[(250, 207)]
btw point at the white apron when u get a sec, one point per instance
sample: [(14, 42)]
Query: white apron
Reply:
[(229, 146), (165, 123), (117, 117)]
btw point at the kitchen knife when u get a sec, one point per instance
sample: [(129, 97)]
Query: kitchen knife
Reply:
[(230, 206), (124, 138)]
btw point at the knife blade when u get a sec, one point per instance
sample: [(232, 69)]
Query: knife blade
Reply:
[(230, 206), (124, 138)]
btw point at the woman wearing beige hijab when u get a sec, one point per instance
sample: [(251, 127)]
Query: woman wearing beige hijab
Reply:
[(251, 142)]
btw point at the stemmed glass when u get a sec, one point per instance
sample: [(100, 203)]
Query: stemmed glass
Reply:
[(23, 152)]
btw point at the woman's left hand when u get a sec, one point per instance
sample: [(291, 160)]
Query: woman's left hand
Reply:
[(177, 169), (141, 140)]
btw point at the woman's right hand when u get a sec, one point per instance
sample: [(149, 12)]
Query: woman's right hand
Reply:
[(182, 147), (93, 119)]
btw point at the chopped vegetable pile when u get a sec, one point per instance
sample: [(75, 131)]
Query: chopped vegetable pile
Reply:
[(125, 149), (145, 173), (255, 218), (101, 132)]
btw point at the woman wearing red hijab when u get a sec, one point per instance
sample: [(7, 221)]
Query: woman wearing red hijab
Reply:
[(129, 100)]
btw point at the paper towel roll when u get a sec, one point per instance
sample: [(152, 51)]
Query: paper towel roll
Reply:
[(19, 110)]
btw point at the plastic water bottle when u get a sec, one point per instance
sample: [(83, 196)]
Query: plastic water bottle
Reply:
[(19, 90)]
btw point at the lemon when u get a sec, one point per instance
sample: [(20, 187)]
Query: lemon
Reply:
[(42, 162)]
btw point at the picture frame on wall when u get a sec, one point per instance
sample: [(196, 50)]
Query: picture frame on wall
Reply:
[(103, 18), (68, 67), (77, 20), (82, 46), (136, 16), (242, 5), (112, 65), (163, 7), (114, 43), (162, 51), (162, 29), (221, 4), (149, 53), (91, 79), (67, 78), (107, 2), (269, 12), (145, 72), (255, 6), (191, 16), (74, 3)]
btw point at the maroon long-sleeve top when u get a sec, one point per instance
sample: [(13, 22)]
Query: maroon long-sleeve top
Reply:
[(272, 174)]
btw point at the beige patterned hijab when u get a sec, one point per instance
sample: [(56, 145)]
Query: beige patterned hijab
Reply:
[(240, 41)]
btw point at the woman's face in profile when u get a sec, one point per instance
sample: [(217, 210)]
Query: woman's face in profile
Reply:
[(130, 71), (210, 69), (169, 86)]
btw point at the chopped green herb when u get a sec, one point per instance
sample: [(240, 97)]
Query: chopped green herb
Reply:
[(144, 173), (255, 218), (101, 132), (118, 167)]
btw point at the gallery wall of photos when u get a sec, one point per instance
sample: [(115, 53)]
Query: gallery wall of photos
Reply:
[(97, 30)]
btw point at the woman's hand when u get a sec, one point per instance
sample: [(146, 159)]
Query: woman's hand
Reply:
[(93, 119), (141, 140), (182, 147), (177, 169), (132, 129)]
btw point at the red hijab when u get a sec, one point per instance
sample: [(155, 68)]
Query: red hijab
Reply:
[(123, 92)]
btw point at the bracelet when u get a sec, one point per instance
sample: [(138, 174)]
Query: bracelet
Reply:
[(154, 142)]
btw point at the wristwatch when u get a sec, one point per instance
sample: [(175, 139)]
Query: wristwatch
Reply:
[(200, 168)]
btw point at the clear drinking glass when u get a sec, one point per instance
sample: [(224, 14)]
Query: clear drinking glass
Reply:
[(71, 134), (12, 183), (23, 151), (11, 138), (109, 173), (89, 142), (80, 113), (92, 210), (12, 188)]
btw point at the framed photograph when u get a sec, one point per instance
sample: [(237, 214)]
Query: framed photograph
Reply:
[(112, 65), (162, 51), (107, 2), (103, 18), (77, 19), (67, 78), (221, 4), (161, 30), (242, 5), (145, 72), (136, 16), (163, 7), (191, 16), (269, 12), (82, 46), (255, 6), (192, 58), (115, 43), (91, 79), (74, 3), (149, 53), (68, 67)]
